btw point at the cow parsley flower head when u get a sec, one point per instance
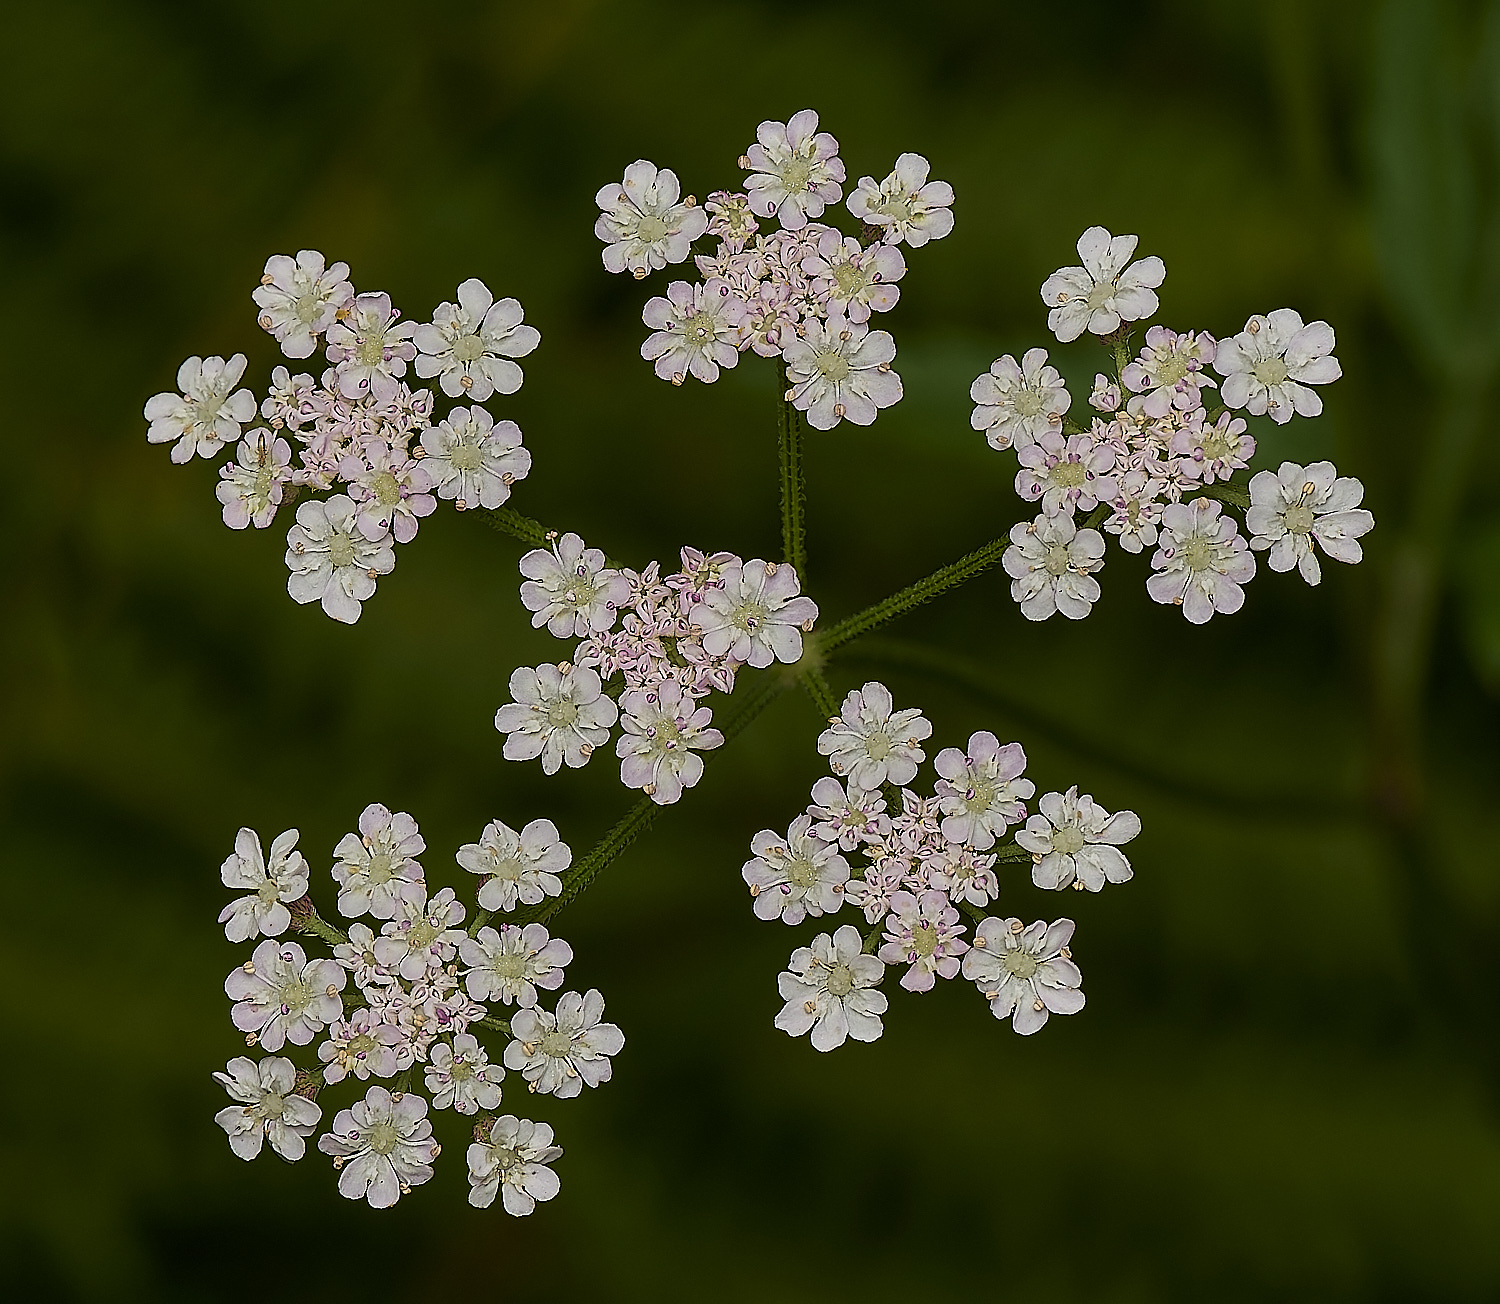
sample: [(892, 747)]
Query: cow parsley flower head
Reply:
[(871, 742), (1025, 972), (390, 490), (513, 1163), (795, 170), (272, 882), (267, 1108), (923, 932), (281, 996), (642, 223), (754, 614), (1075, 841), (472, 459), (853, 280), (906, 206), (662, 728), (983, 790), (559, 1053), (559, 713), (469, 345), (300, 298), (510, 964), (1269, 366), (1051, 564), (569, 589), (796, 876), (1202, 562), (251, 488), (1169, 372), (382, 1147), (1295, 506), (377, 867), (362, 1044), (695, 330), (1018, 404), (1066, 473), (840, 370), (1105, 291), (461, 1077), (207, 414), (846, 814), (422, 936), (831, 989), (370, 349), (519, 867)]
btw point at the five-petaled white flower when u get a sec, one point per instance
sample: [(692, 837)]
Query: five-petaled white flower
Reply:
[(1269, 365), (377, 866), (1018, 404), (846, 814), (422, 936), (1169, 372), (560, 714), (795, 170), (982, 791), (1214, 450), (853, 280), (569, 589), (923, 932), (1066, 473), (268, 1108), (1075, 842), (662, 726), (695, 330), (390, 489), (281, 996), (1051, 564), (370, 348), (839, 370), (1103, 292), (206, 415), (558, 1053), (469, 345), (382, 1146), (906, 205), (251, 489), (513, 1164), (510, 964), (1025, 972), (796, 876), (330, 559), (272, 882), (300, 298), (1293, 506), (363, 1044), (641, 222), (754, 614), (519, 867), (831, 990), (873, 744), (461, 1076), (474, 459), (1203, 561)]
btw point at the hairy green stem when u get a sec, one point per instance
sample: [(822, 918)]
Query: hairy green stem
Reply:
[(813, 681), (309, 921), (509, 521), (789, 428)]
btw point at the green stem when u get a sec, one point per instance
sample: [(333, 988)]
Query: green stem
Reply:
[(813, 681), (915, 595), (500, 1025), (789, 428), (316, 926), (509, 521)]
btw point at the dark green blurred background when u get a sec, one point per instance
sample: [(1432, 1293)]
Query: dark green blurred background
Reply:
[(1285, 1083)]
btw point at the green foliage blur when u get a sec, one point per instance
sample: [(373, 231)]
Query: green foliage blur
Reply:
[(1285, 1083)]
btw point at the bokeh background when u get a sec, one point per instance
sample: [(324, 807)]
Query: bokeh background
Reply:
[(1285, 1083)]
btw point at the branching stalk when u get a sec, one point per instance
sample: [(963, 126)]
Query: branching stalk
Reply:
[(790, 430)]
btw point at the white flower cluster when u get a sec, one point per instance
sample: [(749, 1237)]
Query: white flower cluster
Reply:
[(1154, 468), (928, 862), (362, 429), (802, 292), (679, 638), (423, 985)]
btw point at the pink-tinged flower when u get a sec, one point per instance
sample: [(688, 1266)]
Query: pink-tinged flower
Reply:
[(469, 345), (559, 714), (1051, 564), (696, 330), (251, 489), (872, 743), (1025, 972), (461, 1076), (1103, 292), (831, 990), (509, 965), (1136, 510), (1075, 842), (332, 561), (569, 589), (281, 996), (370, 348), (357, 956), (755, 614), (382, 1146), (293, 401), (271, 881), (1170, 370), (874, 892), (1211, 451), (730, 218), (1066, 473), (770, 319), (924, 933), (641, 222), (390, 489), (847, 816), (206, 415), (969, 878), (377, 867), (838, 370), (983, 790), (267, 1108), (1017, 405), (361, 1044), (1105, 396), (662, 727), (513, 1162), (795, 170), (559, 1053), (796, 876), (473, 459), (852, 280), (423, 935), (1202, 562), (301, 298), (1268, 366), (520, 866), (1295, 506), (906, 205)]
